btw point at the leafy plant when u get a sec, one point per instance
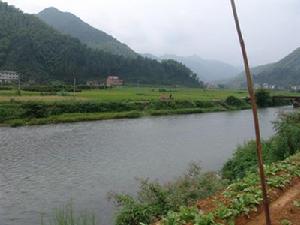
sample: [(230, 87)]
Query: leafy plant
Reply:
[(285, 222), (296, 203), (67, 216)]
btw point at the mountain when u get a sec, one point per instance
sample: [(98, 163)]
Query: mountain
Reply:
[(207, 70), (42, 54), (239, 81), (72, 25), (284, 73)]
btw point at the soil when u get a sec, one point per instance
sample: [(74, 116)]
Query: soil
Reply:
[(283, 209)]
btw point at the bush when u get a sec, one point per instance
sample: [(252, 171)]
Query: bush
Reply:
[(154, 199), (263, 98), (244, 159), (9, 111), (35, 110), (233, 101), (284, 143)]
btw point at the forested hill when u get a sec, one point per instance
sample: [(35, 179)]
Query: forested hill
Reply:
[(284, 73), (68, 23), (40, 53)]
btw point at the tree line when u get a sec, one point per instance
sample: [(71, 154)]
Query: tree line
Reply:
[(42, 54)]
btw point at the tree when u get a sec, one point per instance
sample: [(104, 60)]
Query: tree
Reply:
[(263, 98)]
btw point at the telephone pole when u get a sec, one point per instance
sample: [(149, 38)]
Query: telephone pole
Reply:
[(74, 87), (255, 115)]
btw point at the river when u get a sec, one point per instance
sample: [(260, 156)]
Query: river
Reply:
[(44, 167)]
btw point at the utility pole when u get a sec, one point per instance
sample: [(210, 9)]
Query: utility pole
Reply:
[(74, 87), (19, 84), (255, 115)]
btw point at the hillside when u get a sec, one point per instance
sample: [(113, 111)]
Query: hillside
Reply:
[(207, 70), (42, 54), (72, 25), (284, 73)]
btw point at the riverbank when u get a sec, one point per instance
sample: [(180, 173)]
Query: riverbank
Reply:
[(197, 198), (20, 114), (32, 108), (40, 114), (241, 203), (35, 113), (82, 162)]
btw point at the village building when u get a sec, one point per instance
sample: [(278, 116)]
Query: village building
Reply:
[(7, 77), (95, 83), (113, 81)]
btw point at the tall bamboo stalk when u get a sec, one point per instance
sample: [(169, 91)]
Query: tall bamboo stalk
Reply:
[(255, 115)]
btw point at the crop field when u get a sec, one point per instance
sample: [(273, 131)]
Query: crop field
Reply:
[(130, 94)]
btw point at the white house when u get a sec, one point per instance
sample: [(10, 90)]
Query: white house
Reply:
[(7, 77)]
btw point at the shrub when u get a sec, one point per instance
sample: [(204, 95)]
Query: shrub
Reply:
[(263, 98), (34, 110), (9, 111), (284, 143), (154, 199), (233, 101)]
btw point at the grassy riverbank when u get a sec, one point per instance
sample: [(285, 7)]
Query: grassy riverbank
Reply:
[(213, 198), (33, 108), (175, 203)]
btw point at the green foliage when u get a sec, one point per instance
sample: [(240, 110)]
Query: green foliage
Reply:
[(234, 101), (154, 199), (67, 216), (263, 98), (282, 73), (285, 222), (296, 203), (286, 142), (74, 26), (42, 54), (241, 197), (57, 111), (50, 88), (10, 111)]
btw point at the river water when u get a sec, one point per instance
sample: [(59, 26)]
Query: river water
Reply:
[(45, 167)]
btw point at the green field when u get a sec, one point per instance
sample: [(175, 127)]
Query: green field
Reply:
[(33, 108), (126, 94), (132, 94)]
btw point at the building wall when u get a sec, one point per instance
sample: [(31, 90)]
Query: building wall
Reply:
[(8, 76), (113, 81)]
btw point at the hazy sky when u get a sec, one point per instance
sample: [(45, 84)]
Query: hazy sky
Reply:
[(186, 27)]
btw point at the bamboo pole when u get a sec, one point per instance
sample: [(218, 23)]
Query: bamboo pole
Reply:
[(255, 115)]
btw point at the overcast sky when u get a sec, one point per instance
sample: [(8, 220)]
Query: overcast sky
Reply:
[(186, 27)]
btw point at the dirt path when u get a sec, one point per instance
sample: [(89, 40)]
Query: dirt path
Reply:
[(282, 208)]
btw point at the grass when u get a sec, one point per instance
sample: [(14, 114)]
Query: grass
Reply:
[(67, 216), (74, 117), (134, 94), (127, 94), (81, 117)]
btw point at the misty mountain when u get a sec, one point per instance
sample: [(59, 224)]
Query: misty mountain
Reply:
[(72, 25), (42, 54), (207, 70), (285, 72)]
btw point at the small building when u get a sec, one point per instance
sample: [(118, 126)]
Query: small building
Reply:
[(113, 81), (7, 77), (95, 83)]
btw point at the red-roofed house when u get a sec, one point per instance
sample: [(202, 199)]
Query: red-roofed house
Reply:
[(113, 81)]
